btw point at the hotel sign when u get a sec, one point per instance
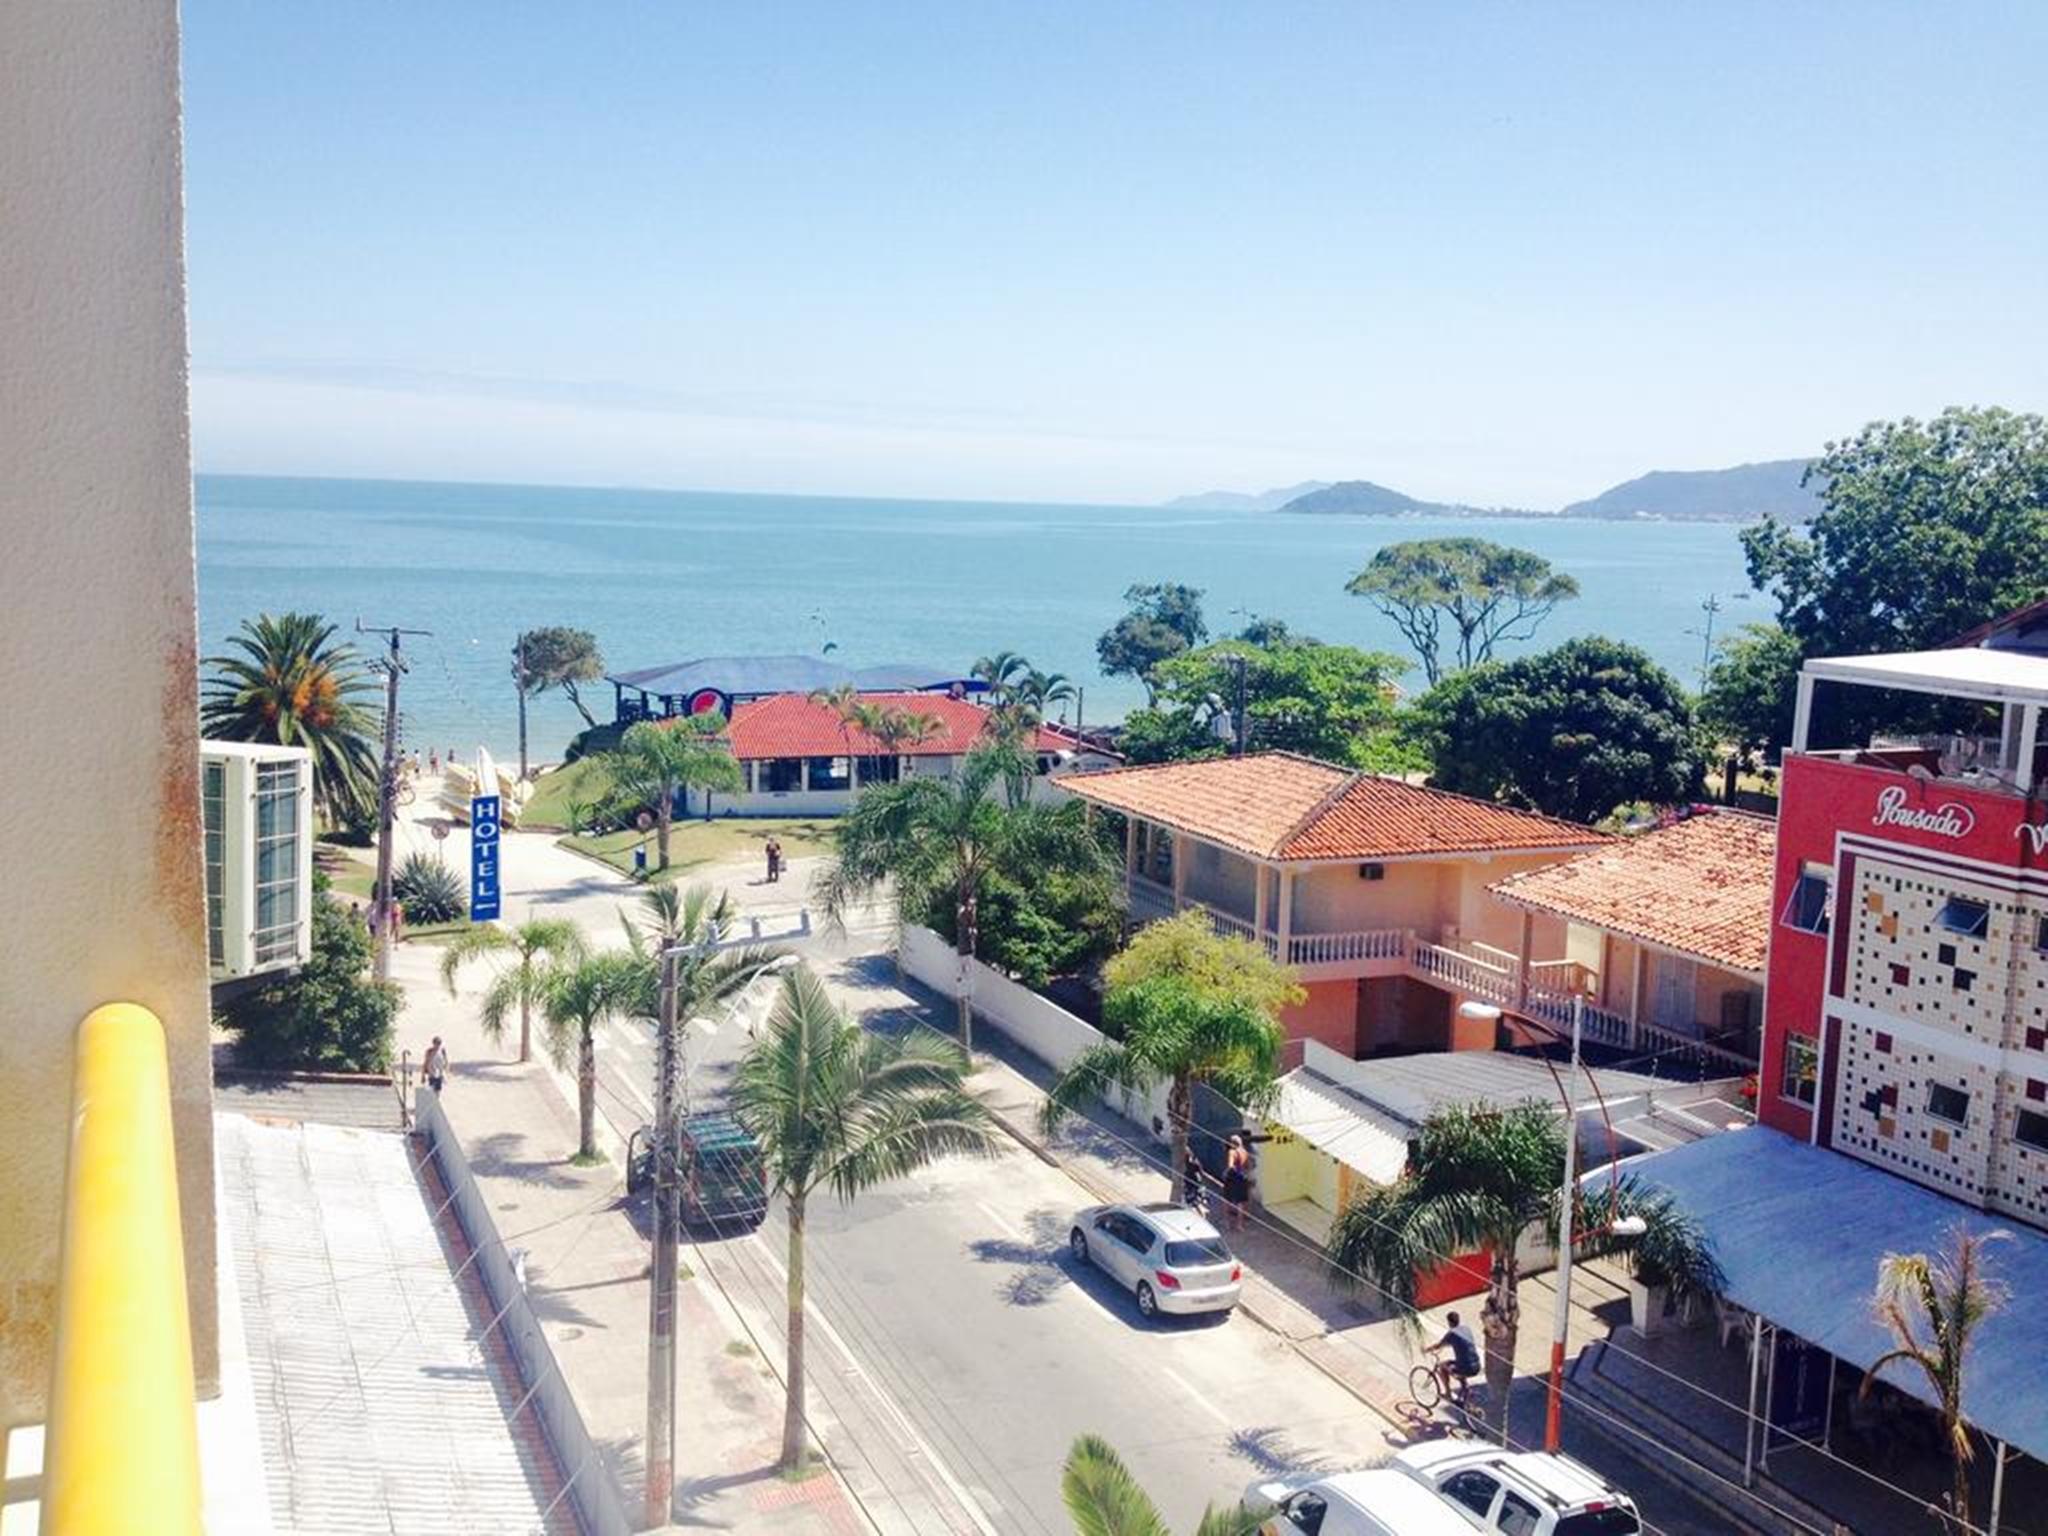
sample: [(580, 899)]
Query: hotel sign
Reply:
[(484, 899), (1949, 819)]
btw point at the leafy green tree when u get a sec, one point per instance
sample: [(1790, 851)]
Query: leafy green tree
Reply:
[(579, 997), (554, 657), (329, 1015), (291, 683), (1485, 592), (942, 840), (1165, 618), (1933, 1308), (1573, 732), (1185, 1005), (1104, 1499), (657, 761), (1485, 1179), (1040, 923), (836, 1108), (526, 957), (1751, 689), (1169, 736), (1326, 701)]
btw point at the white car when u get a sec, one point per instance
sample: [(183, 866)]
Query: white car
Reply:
[(1171, 1259), (1378, 1502), (1527, 1493)]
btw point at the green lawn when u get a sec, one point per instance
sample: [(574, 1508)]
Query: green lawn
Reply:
[(693, 844), (549, 806), (354, 877)]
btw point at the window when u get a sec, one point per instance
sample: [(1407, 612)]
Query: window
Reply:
[(780, 775), (277, 861), (1802, 1069), (1305, 1512), (2041, 936), (1807, 908), (2030, 1129), (1611, 1521), (1471, 1490), (881, 770), (1946, 1103), (1196, 1250), (1518, 1517), (213, 801), (831, 772), (1963, 916)]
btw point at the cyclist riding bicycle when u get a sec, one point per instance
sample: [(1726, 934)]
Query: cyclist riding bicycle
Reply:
[(1462, 1363)]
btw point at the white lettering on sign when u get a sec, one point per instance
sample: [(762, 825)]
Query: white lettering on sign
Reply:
[(1948, 819), (2036, 833)]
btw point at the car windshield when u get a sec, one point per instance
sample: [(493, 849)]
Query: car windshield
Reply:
[(1197, 1250), (1599, 1522)]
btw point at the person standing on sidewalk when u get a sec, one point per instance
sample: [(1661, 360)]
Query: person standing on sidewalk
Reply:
[(1237, 1180), (434, 1065)]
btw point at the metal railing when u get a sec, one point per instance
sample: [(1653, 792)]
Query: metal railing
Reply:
[(123, 1451)]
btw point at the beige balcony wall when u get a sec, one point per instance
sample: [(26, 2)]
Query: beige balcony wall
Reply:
[(99, 840)]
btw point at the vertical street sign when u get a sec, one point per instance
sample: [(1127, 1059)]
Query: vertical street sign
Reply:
[(483, 858)]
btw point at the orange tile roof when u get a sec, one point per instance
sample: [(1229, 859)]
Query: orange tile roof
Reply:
[(790, 725), (1702, 888), (1275, 805)]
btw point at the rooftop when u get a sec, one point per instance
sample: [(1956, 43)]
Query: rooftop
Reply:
[(791, 725), (753, 675), (1701, 888), (1971, 672), (1281, 807)]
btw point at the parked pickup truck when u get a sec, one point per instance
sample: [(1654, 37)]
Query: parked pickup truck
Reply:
[(1527, 1493)]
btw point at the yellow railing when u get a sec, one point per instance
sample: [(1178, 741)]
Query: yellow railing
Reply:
[(123, 1438)]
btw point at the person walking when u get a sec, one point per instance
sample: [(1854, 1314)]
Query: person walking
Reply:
[(774, 860), (434, 1065), (1192, 1179), (1237, 1179)]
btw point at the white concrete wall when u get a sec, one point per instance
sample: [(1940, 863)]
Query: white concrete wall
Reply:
[(103, 895)]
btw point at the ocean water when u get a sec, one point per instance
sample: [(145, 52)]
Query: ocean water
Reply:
[(661, 576)]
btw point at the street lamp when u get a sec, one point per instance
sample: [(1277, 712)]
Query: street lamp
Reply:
[(1616, 1225)]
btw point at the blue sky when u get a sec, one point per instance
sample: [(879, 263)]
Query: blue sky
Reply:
[(1500, 253)]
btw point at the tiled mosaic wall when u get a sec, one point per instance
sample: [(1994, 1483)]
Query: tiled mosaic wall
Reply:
[(1896, 1099)]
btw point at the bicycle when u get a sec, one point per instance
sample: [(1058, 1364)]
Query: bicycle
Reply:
[(1426, 1388)]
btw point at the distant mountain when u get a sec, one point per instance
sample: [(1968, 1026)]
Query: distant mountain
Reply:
[(1240, 501), (1741, 494), (1366, 499)]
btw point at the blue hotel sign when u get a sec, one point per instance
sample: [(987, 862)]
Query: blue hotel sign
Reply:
[(484, 901)]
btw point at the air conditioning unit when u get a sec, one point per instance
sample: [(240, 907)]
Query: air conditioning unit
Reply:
[(257, 803)]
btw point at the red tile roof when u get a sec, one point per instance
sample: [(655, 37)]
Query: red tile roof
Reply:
[(790, 725), (1702, 888), (1277, 806)]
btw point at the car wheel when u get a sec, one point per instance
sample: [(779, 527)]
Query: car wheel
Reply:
[(1077, 1244), (1148, 1304)]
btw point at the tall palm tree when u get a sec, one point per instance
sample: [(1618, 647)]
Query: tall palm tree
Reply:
[(1001, 672), (668, 916), (658, 760), (1180, 1027), (1104, 1499), (1952, 1295), (835, 1108), (291, 683), (1484, 1179), (1042, 690), (579, 998), (531, 953), (941, 840), (893, 728)]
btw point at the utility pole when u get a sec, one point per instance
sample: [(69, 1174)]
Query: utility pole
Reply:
[(387, 790), (1236, 663), (1710, 607)]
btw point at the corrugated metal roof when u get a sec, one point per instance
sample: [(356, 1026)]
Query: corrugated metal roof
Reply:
[(1326, 1117), (1799, 1231)]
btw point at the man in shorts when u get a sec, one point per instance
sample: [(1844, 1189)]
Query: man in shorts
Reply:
[(1462, 1362)]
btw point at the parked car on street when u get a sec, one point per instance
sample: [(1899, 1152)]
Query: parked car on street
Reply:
[(718, 1164), (1527, 1493), (1172, 1259), (1378, 1502)]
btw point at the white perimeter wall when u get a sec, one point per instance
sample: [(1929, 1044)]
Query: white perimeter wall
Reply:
[(101, 891)]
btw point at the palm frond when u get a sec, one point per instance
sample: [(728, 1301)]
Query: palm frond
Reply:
[(1101, 1495)]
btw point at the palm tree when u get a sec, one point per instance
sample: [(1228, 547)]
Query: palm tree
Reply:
[(668, 916), (579, 998), (1206, 1015), (293, 685), (1042, 690), (658, 760), (1953, 1295), (1001, 672), (941, 839), (1482, 1178), (898, 728), (534, 951), (835, 1108), (1105, 1500)]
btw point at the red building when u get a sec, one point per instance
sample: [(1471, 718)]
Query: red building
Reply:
[(1906, 1002)]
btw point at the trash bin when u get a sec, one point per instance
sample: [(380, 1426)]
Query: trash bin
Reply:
[(640, 858)]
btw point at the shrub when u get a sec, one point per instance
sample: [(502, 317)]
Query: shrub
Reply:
[(1061, 925), (428, 891), (329, 1015)]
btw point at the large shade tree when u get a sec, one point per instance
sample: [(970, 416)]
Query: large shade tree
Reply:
[(287, 680), (941, 840), (1164, 619), (527, 958), (1183, 1005), (1455, 600), (1104, 1499), (554, 656), (1575, 732), (658, 761), (1329, 701), (1483, 1179), (1751, 689), (836, 1109)]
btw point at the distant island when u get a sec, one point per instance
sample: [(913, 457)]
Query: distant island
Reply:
[(1742, 494)]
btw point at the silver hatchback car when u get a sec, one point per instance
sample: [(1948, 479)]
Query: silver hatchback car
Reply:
[(1171, 1258)]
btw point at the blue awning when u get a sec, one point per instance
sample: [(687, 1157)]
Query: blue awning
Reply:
[(751, 675), (1799, 1232)]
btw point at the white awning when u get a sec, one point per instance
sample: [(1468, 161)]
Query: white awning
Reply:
[(2009, 677), (1346, 1128)]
